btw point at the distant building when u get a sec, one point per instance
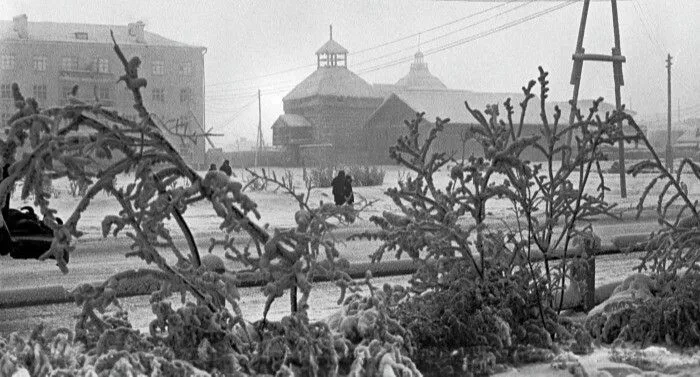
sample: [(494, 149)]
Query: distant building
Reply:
[(324, 114), (47, 59), (420, 91), (344, 120)]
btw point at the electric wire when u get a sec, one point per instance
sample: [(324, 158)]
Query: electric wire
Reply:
[(528, 2), (372, 47), (472, 37)]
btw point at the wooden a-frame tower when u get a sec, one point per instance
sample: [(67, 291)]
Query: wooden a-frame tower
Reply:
[(617, 59)]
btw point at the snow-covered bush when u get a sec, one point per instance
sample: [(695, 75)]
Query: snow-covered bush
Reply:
[(207, 334)]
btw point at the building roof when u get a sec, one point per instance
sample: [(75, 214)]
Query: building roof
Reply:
[(689, 136), (291, 120), (385, 89), (65, 32), (450, 104), (419, 76), (332, 81), (331, 47)]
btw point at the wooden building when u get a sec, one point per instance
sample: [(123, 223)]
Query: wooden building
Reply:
[(386, 124), (324, 114), (336, 117)]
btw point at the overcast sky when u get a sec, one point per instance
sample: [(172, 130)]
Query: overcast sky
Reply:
[(249, 39)]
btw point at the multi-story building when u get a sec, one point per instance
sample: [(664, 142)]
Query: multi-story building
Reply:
[(47, 59)]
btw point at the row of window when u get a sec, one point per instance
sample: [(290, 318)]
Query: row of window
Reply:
[(39, 92), (158, 95), (71, 63), (103, 92)]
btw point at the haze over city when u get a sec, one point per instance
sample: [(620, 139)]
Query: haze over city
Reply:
[(481, 46)]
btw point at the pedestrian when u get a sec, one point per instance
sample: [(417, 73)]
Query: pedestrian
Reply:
[(226, 168), (338, 184), (212, 167), (349, 195)]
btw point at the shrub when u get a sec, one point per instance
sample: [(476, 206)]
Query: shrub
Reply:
[(674, 247), (478, 289), (320, 177), (361, 175), (366, 175), (203, 332), (670, 317)]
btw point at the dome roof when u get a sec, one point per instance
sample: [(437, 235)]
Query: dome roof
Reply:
[(419, 77), (335, 82)]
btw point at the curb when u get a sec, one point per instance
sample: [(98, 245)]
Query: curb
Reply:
[(139, 287), (57, 294)]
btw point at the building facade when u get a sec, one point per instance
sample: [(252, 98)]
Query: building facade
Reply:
[(344, 120), (324, 114), (47, 59)]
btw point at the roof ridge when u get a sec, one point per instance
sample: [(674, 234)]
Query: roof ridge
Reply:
[(53, 31)]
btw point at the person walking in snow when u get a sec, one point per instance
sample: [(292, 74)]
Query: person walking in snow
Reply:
[(226, 168), (338, 184)]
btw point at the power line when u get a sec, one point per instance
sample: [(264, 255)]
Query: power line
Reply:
[(264, 76), (237, 114), (435, 27), (369, 48), (461, 41), (452, 32), (473, 37), (653, 40), (437, 48)]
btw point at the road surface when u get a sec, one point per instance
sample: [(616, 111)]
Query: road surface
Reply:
[(95, 260)]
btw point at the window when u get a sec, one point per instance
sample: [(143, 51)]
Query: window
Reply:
[(102, 65), (6, 91), (159, 95), (40, 63), (158, 68), (81, 35), (69, 63), (186, 68), (39, 92), (185, 95), (104, 92), (7, 62), (4, 117), (65, 91)]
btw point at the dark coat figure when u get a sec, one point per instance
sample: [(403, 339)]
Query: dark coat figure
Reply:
[(212, 167), (349, 195), (338, 184), (226, 168)]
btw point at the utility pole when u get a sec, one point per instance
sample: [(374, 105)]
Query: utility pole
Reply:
[(669, 147), (258, 139), (616, 58)]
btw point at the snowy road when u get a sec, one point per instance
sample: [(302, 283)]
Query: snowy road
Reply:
[(95, 260)]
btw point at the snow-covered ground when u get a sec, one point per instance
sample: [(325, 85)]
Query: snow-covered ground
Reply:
[(277, 208)]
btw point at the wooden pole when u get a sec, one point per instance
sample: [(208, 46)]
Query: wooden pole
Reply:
[(669, 147), (258, 139), (617, 59), (617, 74), (576, 74)]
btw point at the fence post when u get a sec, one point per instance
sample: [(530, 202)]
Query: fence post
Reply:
[(589, 294)]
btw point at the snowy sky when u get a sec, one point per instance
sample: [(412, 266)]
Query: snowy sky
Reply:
[(247, 39)]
